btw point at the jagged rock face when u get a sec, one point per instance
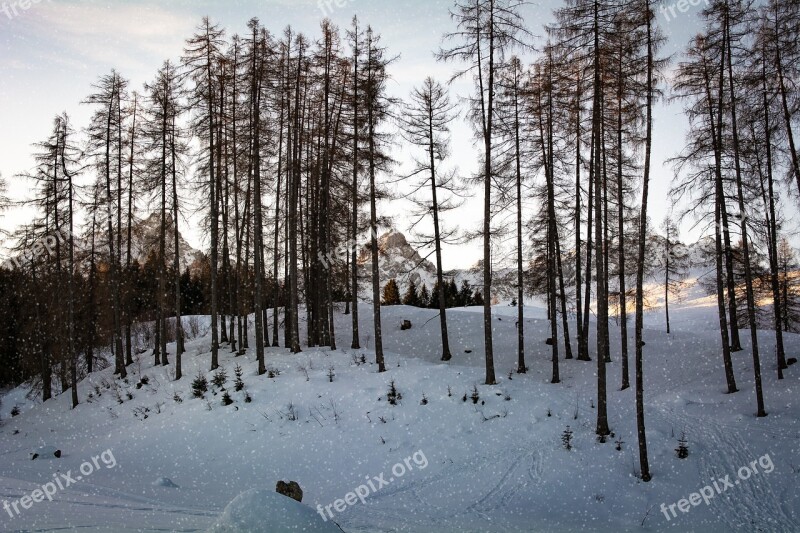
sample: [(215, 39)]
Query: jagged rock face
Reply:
[(399, 260), (145, 239)]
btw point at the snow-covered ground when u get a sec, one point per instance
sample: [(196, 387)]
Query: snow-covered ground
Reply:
[(495, 465)]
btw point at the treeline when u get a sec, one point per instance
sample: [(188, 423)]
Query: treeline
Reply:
[(29, 305), (419, 296)]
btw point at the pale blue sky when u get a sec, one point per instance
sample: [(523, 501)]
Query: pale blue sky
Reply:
[(52, 52)]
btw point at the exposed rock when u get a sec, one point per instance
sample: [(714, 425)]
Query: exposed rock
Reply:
[(291, 489)]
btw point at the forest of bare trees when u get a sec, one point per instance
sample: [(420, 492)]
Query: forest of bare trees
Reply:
[(290, 141)]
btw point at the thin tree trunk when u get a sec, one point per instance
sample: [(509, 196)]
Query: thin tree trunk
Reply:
[(718, 212), (751, 308), (644, 464), (623, 311), (355, 344), (176, 265), (376, 282), (583, 344), (602, 300)]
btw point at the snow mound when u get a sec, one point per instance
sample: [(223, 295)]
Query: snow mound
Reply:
[(258, 510), (165, 482)]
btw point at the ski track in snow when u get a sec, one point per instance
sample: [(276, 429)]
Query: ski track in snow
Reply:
[(752, 504), (84, 496), (487, 501)]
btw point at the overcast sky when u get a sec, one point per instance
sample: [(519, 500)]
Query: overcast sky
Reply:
[(52, 52)]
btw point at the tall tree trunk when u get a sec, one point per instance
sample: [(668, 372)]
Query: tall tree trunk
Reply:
[(521, 367), (718, 216), (294, 332), (255, 99), (602, 300), (487, 111), (751, 308), (128, 253), (355, 344), (644, 464), (162, 241), (583, 343), (119, 356), (376, 282), (623, 311), (176, 264), (589, 250), (787, 116), (772, 227), (72, 354), (446, 355), (214, 211)]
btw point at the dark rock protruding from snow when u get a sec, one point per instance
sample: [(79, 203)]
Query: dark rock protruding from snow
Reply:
[(291, 489)]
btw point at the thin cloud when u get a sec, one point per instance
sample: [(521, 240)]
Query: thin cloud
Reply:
[(127, 37)]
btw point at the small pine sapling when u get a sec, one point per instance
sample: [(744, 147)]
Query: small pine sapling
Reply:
[(220, 378), (15, 411), (238, 384), (475, 397), (226, 399), (619, 443), (393, 396), (199, 385), (331, 374), (424, 400), (683, 449), (566, 439)]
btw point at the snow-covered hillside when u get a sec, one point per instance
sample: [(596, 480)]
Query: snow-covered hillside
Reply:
[(495, 464)]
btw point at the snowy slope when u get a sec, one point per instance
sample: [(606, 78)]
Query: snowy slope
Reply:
[(497, 465)]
